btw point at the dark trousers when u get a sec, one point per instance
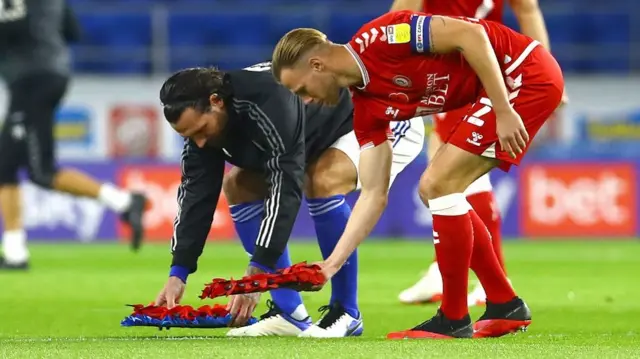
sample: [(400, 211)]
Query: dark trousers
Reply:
[(26, 138)]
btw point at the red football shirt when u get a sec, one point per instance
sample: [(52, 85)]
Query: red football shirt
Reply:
[(480, 9), (402, 80)]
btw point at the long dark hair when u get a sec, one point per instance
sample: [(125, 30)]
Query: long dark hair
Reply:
[(191, 88)]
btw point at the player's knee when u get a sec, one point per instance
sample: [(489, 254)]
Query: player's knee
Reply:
[(325, 184), (432, 186), (332, 174), (42, 178), (231, 188), (423, 189), (242, 186)]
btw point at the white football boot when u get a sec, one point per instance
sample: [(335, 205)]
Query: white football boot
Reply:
[(273, 323), (427, 290), (477, 296), (336, 323)]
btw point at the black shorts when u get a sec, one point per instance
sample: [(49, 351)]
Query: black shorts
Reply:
[(326, 124), (26, 138)]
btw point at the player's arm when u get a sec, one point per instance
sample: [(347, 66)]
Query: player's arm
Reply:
[(375, 174), (443, 34), (413, 5), (202, 173), (531, 20), (374, 171), (280, 122)]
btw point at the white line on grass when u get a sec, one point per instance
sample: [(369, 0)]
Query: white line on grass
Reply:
[(107, 339)]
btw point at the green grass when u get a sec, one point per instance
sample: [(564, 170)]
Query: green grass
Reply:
[(585, 298)]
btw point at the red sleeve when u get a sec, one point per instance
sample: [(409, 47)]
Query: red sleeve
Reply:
[(370, 131), (384, 38)]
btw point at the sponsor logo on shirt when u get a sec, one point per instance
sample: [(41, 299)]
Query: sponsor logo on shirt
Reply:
[(391, 112), (399, 97), (435, 95)]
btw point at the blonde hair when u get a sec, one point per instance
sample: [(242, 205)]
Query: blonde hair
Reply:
[(293, 46)]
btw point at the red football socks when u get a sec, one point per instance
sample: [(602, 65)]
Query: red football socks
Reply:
[(453, 240), (484, 204), (486, 265)]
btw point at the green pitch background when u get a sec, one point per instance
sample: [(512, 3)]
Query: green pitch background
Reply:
[(585, 299)]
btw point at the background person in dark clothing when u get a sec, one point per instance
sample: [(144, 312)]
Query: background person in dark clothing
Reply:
[(35, 64)]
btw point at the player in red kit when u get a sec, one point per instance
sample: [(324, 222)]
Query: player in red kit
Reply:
[(480, 193), (403, 65), (480, 9)]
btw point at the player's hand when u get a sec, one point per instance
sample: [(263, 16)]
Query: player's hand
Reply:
[(171, 294), (328, 270), (241, 306), (511, 132)]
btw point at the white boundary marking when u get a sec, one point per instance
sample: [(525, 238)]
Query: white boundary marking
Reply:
[(111, 339)]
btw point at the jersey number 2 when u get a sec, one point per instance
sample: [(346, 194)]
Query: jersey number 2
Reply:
[(475, 118)]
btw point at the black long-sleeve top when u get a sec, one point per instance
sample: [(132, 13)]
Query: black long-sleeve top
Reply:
[(269, 130)]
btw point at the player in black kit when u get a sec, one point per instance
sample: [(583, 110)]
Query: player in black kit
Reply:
[(280, 147), (35, 63)]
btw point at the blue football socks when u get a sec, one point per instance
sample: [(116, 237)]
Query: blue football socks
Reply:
[(247, 218), (330, 216)]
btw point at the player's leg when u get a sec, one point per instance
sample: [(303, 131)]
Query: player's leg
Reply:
[(480, 196), (14, 238), (329, 179), (535, 99), (427, 289), (287, 316), (461, 241), (38, 96)]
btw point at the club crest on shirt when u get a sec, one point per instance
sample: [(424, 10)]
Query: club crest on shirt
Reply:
[(401, 81)]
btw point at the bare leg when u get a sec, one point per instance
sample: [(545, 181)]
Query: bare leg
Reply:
[(11, 207), (14, 239), (77, 183)]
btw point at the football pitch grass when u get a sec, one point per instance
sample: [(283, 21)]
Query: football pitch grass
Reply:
[(584, 296)]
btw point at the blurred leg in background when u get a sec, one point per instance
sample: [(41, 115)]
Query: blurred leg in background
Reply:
[(27, 141)]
